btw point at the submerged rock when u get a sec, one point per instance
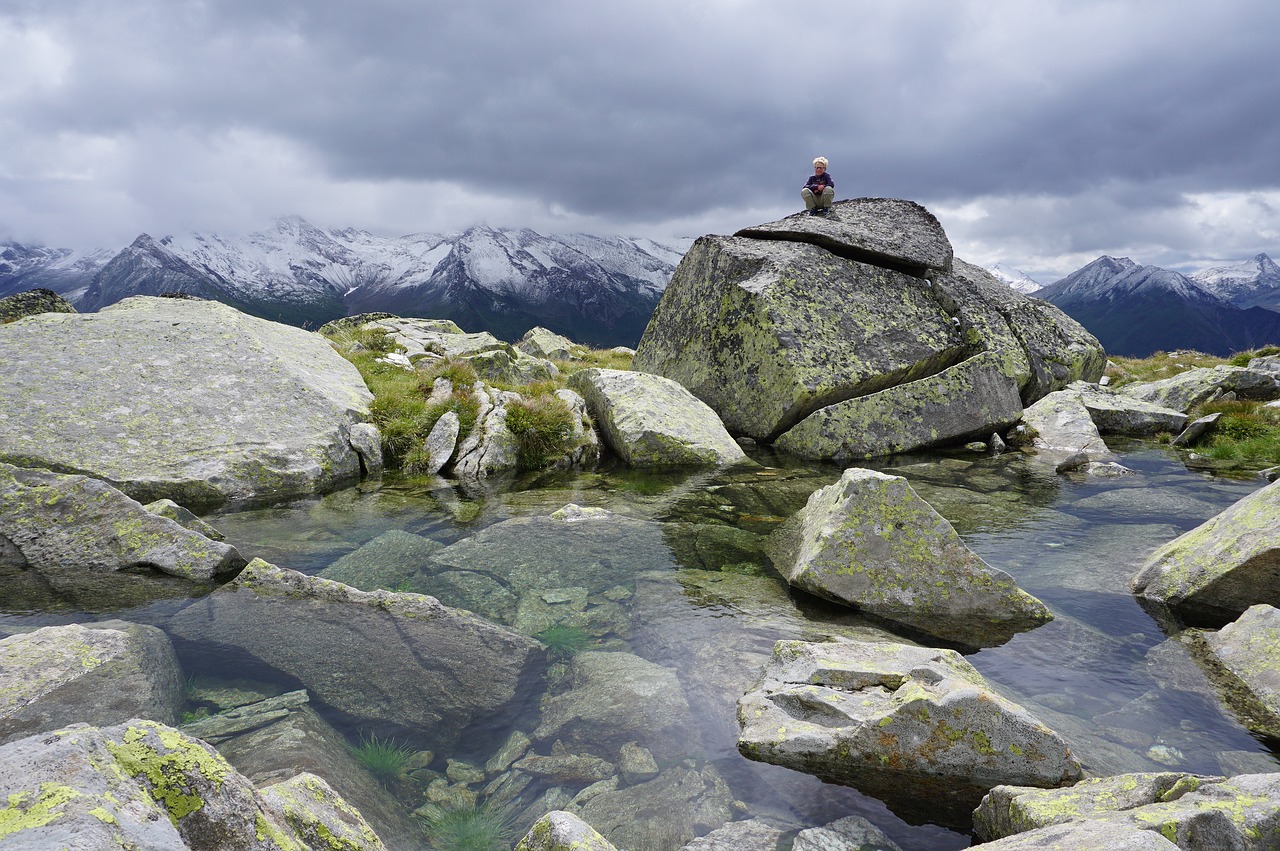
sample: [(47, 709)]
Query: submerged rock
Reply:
[(1247, 654), (857, 335), (870, 542), (1223, 566), (650, 421), (102, 674), (917, 727), (396, 660), (666, 812), (190, 400)]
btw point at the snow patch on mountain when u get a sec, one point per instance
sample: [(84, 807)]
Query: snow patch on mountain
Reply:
[(1019, 280), (1251, 283)]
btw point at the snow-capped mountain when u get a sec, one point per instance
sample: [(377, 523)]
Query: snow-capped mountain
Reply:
[(1253, 283), (1019, 280), (1137, 310), (595, 289)]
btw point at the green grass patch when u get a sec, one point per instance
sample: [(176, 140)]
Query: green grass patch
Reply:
[(484, 827), (383, 758), (563, 641), (543, 429)]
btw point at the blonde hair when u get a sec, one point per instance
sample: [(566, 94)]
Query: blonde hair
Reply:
[(822, 161)]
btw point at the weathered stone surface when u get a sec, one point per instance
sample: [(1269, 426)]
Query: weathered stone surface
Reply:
[(851, 833), (1197, 429), (636, 764), (393, 659), (490, 447), (870, 542), (190, 400), (1184, 391), (650, 421), (102, 674), (1248, 650), (65, 526), (184, 518), (32, 303), (318, 815), (750, 835), (1064, 428), (245, 718), (1085, 836), (569, 769), (888, 232), (1267, 363), (145, 785), (1115, 413), (303, 743), (665, 812), (878, 716), (799, 321), (441, 442), (1190, 811), (618, 698), (384, 562), (511, 366), (561, 831), (542, 343), (1223, 566)]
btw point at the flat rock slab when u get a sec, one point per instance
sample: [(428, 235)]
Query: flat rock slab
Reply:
[(102, 674), (1185, 390), (68, 527), (1116, 413), (184, 399), (870, 542), (914, 726), (391, 659), (1064, 428), (1223, 566), (651, 421), (885, 231)]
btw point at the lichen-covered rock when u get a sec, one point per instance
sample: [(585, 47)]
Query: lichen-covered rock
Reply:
[(190, 400), (68, 526), (184, 518), (1185, 390), (318, 815), (1224, 565), (1189, 811), (650, 421), (870, 542), (1064, 428), (441, 443), (393, 659), (1084, 836), (145, 785), (886, 716), (852, 833), (511, 366), (666, 812), (490, 447), (1248, 652), (102, 674), (561, 831), (32, 303), (862, 322), (1115, 413), (543, 343)]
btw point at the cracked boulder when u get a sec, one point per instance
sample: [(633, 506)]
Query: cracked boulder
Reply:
[(870, 542), (182, 399), (857, 335), (917, 727)]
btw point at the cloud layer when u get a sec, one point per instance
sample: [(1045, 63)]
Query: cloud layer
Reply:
[(1043, 134)]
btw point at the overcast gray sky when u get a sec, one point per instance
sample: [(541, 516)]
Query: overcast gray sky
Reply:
[(1042, 134)]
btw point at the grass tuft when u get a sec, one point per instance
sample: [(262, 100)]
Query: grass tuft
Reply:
[(543, 429), (383, 758), (484, 827), (564, 641)]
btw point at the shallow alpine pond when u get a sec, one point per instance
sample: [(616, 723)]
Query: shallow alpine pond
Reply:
[(654, 619)]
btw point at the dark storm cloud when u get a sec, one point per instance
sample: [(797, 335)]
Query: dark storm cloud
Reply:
[(1102, 122)]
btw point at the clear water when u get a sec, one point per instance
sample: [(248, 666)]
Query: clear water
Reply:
[(685, 586)]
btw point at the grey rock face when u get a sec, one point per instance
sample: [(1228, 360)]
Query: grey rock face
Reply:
[(1115, 413), (879, 716), (101, 674), (393, 659), (32, 303), (749, 835), (1223, 566), (1189, 811), (1064, 428), (847, 834), (1248, 651), (67, 527), (145, 785), (870, 542), (189, 400), (1184, 391), (650, 421), (856, 335), (668, 811), (542, 343), (561, 831), (1084, 836)]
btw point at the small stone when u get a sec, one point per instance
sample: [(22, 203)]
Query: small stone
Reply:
[(464, 772), (1165, 755), (516, 745), (636, 763)]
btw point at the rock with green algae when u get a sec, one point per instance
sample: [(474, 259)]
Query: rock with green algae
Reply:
[(389, 658), (1246, 654), (1190, 811), (32, 303), (318, 815), (917, 727), (870, 542), (1223, 566), (384, 562), (189, 400), (651, 421), (782, 321), (561, 831), (145, 785), (101, 673)]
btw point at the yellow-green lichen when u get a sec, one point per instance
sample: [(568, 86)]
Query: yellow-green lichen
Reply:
[(23, 813), (169, 767)]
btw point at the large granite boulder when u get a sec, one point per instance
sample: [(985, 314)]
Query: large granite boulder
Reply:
[(650, 421), (883, 717), (74, 529), (1064, 428), (145, 785), (1221, 567), (1114, 412), (1245, 657), (32, 303), (1185, 390), (102, 674), (856, 335), (395, 660), (1190, 811), (870, 542), (544, 343), (190, 400)]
